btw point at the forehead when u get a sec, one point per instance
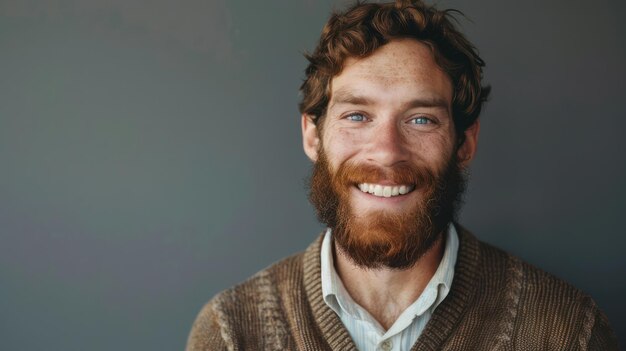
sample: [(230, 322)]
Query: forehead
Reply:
[(401, 69)]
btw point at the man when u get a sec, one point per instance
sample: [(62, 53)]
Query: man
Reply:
[(390, 113)]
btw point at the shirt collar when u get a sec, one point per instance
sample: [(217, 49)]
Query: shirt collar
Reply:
[(337, 298)]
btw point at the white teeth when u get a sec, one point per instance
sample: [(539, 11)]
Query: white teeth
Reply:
[(385, 190), (378, 190)]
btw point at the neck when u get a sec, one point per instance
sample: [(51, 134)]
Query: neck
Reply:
[(385, 292)]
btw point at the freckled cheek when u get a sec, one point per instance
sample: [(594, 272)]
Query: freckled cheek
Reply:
[(430, 147), (343, 144)]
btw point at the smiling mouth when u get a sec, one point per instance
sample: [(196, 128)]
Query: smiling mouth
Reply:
[(385, 190)]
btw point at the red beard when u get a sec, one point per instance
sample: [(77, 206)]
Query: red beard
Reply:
[(383, 239)]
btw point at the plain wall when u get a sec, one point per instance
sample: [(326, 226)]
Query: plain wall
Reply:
[(150, 156)]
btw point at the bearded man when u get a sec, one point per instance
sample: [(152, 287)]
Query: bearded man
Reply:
[(390, 111)]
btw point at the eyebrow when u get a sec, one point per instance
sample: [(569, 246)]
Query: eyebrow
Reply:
[(343, 96)]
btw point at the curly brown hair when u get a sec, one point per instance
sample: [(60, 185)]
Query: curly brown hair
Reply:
[(364, 27)]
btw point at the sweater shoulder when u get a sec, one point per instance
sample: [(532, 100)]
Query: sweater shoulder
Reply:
[(502, 266), (241, 316), (540, 307), (274, 279)]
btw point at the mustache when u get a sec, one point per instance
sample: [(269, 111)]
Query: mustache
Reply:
[(350, 173)]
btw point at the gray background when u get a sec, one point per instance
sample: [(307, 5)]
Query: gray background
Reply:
[(150, 156)]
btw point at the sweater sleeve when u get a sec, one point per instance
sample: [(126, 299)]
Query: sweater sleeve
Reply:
[(206, 332), (602, 337)]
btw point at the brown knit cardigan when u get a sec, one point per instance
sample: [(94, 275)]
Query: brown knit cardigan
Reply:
[(497, 302)]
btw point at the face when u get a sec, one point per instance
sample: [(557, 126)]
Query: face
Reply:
[(387, 166)]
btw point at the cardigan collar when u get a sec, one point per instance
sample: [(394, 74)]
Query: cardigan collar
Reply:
[(443, 320)]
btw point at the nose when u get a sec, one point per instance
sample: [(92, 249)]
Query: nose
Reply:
[(387, 144)]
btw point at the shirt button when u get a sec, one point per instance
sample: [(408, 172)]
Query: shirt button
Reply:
[(386, 345)]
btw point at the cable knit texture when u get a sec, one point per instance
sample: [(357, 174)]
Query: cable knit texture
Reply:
[(497, 302)]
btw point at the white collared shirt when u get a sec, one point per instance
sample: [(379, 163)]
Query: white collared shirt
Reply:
[(366, 332)]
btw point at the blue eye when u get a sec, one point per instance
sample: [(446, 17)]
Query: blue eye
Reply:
[(356, 117), (421, 120)]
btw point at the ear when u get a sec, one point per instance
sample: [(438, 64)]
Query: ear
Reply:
[(310, 138), (466, 152)]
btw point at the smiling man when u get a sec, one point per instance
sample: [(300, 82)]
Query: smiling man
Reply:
[(390, 111)]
